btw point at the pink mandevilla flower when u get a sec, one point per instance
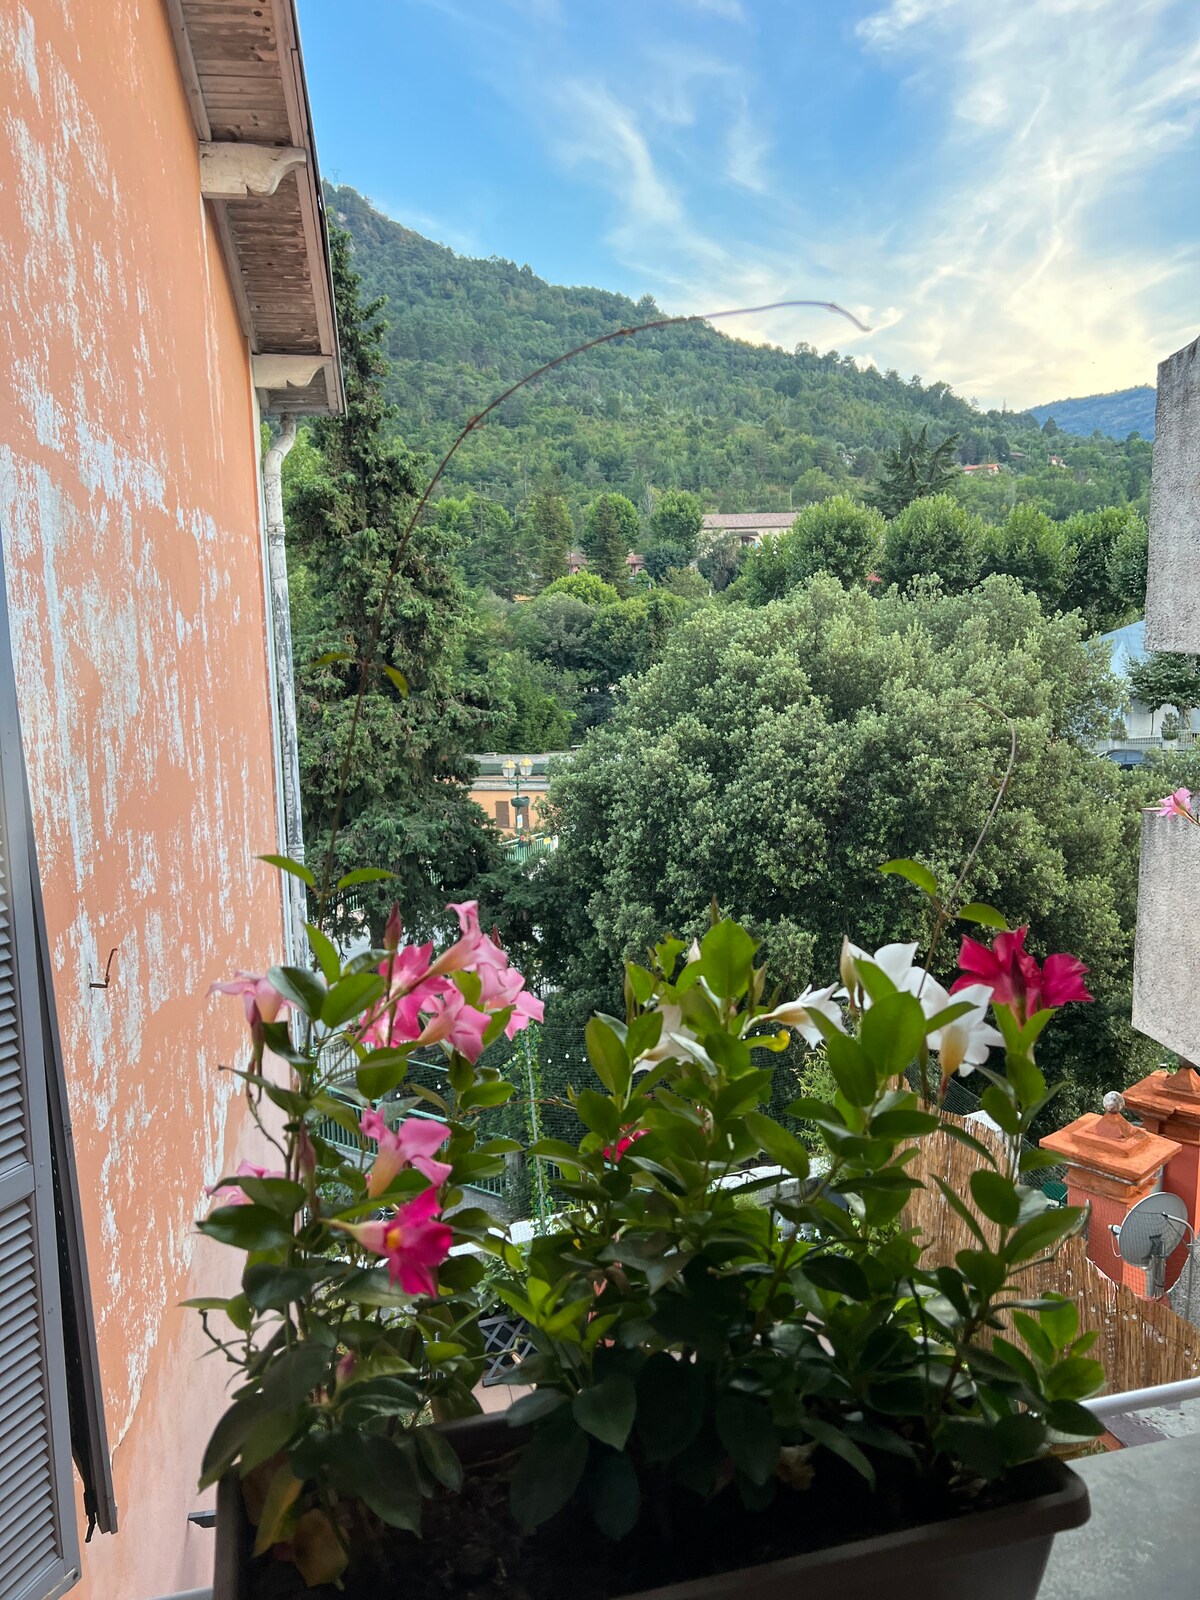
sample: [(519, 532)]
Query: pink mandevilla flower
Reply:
[(228, 1193), (410, 1144), (1015, 977), (1178, 804), (629, 1136), (255, 992), (424, 1007), (414, 1243)]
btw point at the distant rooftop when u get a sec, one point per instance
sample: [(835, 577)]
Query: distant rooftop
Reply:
[(749, 519), (1128, 645)]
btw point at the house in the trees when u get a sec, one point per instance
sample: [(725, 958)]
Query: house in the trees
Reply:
[(747, 527), (164, 282)]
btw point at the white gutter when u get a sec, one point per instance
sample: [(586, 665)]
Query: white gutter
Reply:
[(296, 913)]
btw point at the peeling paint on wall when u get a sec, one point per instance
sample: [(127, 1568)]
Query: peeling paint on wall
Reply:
[(130, 518)]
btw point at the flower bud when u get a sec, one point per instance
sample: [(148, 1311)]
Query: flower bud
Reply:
[(847, 968), (394, 931)]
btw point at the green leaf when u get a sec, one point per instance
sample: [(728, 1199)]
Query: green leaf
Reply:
[(782, 1146), (301, 987), (482, 1095), (350, 996), (269, 1288), (598, 1114), (296, 868), (902, 1124), (851, 1068), (364, 875), (975, 1443), (838, 1274), (277, 1194), (606, 1410), (325, 951), (292, 1376), (979, 911), (227, 1437), (833, 1439), (745, 1428), (329, 657), (902, 867), (956, 1205), (382, 1475), (893, 1030), (1075, 1421), (996, 1197), (615, 1496), (533, 1407), (247, 1227), (727, 959), (1041, 1232), (440, 1458), (643, 1034), (670, 1406), (1061, 1320), (548, 1473), (608, 1056), (396, 676)]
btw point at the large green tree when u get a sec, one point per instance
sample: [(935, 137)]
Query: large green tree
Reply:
[(492, 553), (914, 469), (776, 756), (675, 525), (1029, 547), (837, 535), (609, 530), (936, 537), (1164, 679), (1107, 582), (406, 805)]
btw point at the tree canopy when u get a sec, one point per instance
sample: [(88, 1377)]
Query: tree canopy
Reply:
[(775, 756)]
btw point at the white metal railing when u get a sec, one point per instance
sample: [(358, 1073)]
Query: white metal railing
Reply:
[(1159, 1394)]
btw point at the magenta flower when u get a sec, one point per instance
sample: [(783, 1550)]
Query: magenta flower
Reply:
[(411, 1144), (629, 1135), (254, 991), (1015, 978), (1178, 804), (414, 1244), (232, 1194), (527, 1008)]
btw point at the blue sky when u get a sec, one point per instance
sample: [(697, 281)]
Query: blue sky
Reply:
[(1006, 190)]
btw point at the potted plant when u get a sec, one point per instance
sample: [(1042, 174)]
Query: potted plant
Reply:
[(723, 1398)]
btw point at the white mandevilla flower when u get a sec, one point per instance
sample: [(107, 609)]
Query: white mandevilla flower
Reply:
[(962, 1045), (895, 961), (798, 1013), (672, 1024)]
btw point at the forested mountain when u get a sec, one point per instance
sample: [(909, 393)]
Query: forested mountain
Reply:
[(746, 426), (1118, 414)]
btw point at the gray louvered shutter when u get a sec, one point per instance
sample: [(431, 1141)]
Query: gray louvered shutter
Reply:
[(39, 1552)]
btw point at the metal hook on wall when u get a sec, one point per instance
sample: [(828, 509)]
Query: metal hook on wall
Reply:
[(107, 971)]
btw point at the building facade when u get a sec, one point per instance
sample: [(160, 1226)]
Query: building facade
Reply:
[(163, 282)]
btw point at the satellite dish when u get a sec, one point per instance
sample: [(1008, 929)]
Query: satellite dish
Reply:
[(1152, 1231)]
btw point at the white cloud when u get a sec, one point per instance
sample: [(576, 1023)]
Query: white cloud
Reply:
[(1017, 283)]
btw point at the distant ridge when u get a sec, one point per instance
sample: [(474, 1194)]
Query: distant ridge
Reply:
[(1118, 414)]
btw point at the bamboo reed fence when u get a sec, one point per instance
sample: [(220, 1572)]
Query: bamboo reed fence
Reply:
[(1141, 1342)]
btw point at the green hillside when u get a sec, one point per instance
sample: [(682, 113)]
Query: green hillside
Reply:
[(748, 427), (1118, 414)]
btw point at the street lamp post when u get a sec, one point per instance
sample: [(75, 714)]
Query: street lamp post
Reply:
[(514, 771)]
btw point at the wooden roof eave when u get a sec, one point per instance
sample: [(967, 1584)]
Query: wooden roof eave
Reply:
[(243, 74)]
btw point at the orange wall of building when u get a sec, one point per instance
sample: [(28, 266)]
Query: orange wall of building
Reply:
[(129, 511)]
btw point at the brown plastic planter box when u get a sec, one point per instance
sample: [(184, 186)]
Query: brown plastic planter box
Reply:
[(998, 1554)]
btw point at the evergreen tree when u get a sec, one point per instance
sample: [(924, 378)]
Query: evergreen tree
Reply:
[(407, 806), (548, 531), (609, 529), (913, 470)]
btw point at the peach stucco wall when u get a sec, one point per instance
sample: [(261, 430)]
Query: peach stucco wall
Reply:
[(130, 521)]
